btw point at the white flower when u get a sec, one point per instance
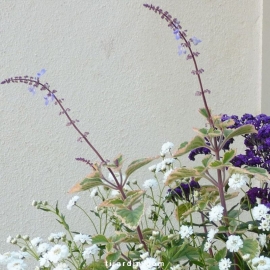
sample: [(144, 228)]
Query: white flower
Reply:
[(44, 260), (149, 264), (216, 213), (94, 192), (56, 236), (144, 255), (176, 267), (264, 225), (42, 248), (57, 253), (260, 211), (261, 263), (150, 183), (166, 147), (233, 243), (152, 168), (224, 264), (246, 257), (62, 266), (160, 167), (83, 238), (166, 175), (16, 264), (185, 231), (9, 239), (36, 241), (72, 202), (169, 161), (90, 251), (115, 266), (262, 239), (211, 234), (207, 245), (237, 180)]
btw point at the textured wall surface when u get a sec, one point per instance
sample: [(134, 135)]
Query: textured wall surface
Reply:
[(117, 67)]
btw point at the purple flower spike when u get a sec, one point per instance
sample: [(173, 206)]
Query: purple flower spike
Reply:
[(41, 72), (195, 41)]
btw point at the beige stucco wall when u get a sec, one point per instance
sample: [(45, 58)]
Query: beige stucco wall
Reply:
[(117, 67)]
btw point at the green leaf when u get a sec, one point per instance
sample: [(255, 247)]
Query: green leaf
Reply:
[(246, 129), (216, 164), (232, 226), (202, 132), (130, 218), (135, 165), (133, 197), (117, 163), (228, 156), (206, 160), (99, 239), (113, 257), (221, 254), (113, 202), (100, 265), (204, 113), (214, 133), (196, 142), (181, 209), (92, 180), (259, 173), (250, 246), (181, 173)]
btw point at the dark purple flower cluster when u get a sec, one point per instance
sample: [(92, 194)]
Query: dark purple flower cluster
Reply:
[(259, 193), (183, 191), (258, 145)]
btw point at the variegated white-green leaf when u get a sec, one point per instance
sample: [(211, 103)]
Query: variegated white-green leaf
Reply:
[(250, 246), (130, 218), (196, 142)]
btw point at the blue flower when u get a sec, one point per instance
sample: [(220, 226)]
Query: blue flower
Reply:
[(41, 73), (181, 50), (195, 41), (32, 89)]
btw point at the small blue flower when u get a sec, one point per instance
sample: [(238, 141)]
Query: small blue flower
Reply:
[(177, 34), (46, 101), (32, 89), (41, 73), (195, 41), (181, 50)]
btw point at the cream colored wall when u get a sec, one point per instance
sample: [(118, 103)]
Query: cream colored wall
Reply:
[(117, 67)]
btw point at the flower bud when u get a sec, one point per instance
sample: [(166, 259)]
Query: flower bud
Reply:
[(155, 233), (170, 236), (34, 203), (23, 249), (26, 237), (18, 236), (134, 182), (246, 257), (140, 246), (45, 203), (250, 226), (158, 252), (13, 241)]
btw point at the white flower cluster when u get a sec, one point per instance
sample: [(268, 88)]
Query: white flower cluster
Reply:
[(261, 213), (185, 231), (237, 180), (216, 213), (210, 237), (51, 254), (148, 263)]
